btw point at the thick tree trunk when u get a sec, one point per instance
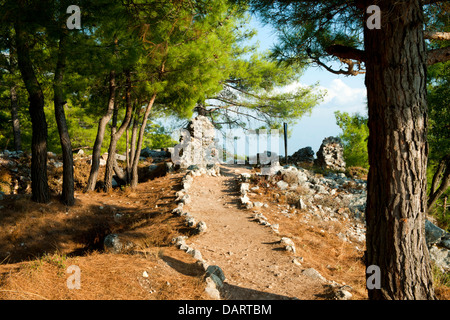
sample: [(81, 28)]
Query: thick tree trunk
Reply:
[(67, 196), (396, 201), (39, 182), (117, 134), (136, 155), (101, 133)]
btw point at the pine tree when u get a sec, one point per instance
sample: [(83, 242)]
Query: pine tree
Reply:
[(390, 49)]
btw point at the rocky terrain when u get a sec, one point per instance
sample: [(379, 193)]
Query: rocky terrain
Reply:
[(296, 234)]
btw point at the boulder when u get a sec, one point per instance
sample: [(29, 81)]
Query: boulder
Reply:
[(441, 257), (303, 155), (445, 241), (433, 233), (159, 154)]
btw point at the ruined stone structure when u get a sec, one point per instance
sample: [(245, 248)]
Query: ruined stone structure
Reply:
[(197, 145), (331, 154)]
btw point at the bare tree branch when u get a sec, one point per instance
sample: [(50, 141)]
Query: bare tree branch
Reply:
[(438, 55), (444, 180), (437, 35), (345, 52)]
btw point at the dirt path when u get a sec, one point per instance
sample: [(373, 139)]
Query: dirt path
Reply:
[(256, 266)]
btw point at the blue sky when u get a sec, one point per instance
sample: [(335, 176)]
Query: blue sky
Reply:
[(345, 93)]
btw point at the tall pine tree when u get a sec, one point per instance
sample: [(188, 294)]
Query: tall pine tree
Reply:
[(387, 43)]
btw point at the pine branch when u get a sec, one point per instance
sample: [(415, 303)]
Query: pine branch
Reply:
[(438, 55), (437, 35), (344, 52)]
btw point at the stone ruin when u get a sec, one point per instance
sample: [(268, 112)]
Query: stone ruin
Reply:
[(197, 145), (331, 154)]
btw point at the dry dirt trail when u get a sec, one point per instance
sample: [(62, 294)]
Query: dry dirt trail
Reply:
[(255, 264)]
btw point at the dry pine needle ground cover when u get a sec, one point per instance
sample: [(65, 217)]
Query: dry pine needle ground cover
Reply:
[(38, 242)]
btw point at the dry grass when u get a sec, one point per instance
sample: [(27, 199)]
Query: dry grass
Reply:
[(39, 241), (103, 277), (316, 240)]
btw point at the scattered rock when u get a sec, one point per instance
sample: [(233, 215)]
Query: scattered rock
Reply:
[(257, 204), (441, 258), (113, 243), (314, 274), (293, 176), (245, 177), (216, 275), (196, 254), (201, 227), (288, 244), (190, 221), (342, 295), (282, 185), (301, 204), (245, 187), (297, 261), (213, 293), (433, 233)]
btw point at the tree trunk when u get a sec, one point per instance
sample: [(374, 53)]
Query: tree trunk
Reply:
[(15, 119), (117, 134), (67, 196), (109, 168), (396, 196), (127, 153), (14, 104), (134, 172), (39, 182), (441, 181), (93, 175), (134, 130)]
